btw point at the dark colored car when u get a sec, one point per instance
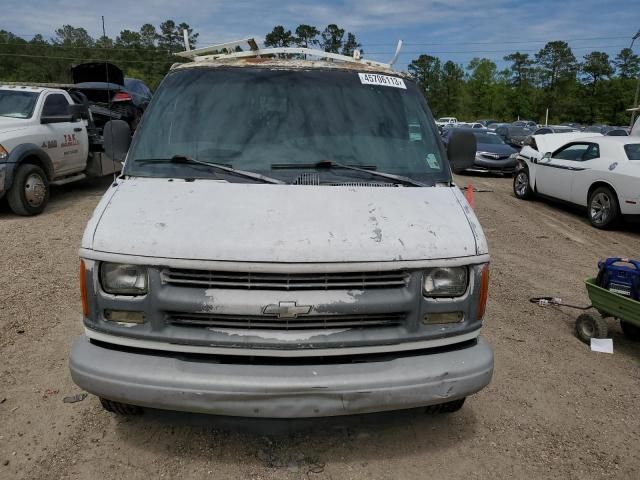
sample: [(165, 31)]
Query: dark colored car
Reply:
[(103, 87), (487, 122), (577, 126), (513, 135), (607, 130), (554, 129), (616, 132), (140, 93), (525, 123), (492, 154)]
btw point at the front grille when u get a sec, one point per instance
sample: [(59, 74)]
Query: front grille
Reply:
[(285, 281), (307, 322), (495, 156)]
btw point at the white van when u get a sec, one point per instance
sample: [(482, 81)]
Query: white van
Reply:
[(285, 240)]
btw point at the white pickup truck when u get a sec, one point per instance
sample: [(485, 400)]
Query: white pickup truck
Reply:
[(45, 139)]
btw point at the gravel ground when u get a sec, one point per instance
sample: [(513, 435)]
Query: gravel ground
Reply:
[(554, 409)]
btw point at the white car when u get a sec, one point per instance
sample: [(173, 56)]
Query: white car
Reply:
[(446, 121), (601, 173)]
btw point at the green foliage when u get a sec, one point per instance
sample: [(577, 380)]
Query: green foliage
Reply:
[(627, 63), (279, 37), (332, 38), (597, 91), (553, 79), (145, 54), (307, 36)]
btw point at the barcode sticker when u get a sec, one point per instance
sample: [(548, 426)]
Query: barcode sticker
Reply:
[(383, 80)]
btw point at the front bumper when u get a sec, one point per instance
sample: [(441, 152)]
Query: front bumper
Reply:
[(280, 390), (494, 165)]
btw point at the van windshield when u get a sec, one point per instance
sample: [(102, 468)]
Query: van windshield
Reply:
[(282, 123)]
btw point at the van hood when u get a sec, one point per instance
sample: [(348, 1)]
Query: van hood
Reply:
[(212, 220)]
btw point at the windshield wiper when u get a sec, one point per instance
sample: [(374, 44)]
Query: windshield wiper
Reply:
[(225, 168), (328, 164)]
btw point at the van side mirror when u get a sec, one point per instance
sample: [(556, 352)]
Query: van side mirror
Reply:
[(461, 150), (117, 138)]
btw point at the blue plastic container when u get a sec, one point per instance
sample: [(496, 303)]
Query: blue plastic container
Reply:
[(621, 276)]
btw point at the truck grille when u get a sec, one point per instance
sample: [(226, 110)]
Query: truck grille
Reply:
[(307, 322), (285, 281)]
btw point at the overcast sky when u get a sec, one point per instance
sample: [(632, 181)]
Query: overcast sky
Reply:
[(451, 29)]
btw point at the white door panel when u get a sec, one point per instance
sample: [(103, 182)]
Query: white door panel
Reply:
[(554, 177)]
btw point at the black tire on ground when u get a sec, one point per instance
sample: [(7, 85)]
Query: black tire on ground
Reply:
[(448, 407), (29, 193), (120, 408), (631, 331), (588, 327), (603, 208), (522, 185)]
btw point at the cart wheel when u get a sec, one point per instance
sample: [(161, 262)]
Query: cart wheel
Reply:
[(588, 327), (631, 331)]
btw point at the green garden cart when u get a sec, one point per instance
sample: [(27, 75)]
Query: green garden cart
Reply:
[(608, 304)]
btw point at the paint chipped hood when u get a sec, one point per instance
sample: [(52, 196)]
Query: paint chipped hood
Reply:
[(212, 220)]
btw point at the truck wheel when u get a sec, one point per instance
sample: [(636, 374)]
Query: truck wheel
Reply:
[(631, 331), (603, 207), (522, 185), (448, 407), (29, 193), (588, 327), (120, 408)]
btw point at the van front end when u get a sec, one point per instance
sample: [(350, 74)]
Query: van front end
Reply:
[(282, 341)]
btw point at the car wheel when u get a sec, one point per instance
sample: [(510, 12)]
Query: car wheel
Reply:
[(29, 193), (588, 327), (603, 207), (631, 331), (522, 185), (448, 407), (120, 408)]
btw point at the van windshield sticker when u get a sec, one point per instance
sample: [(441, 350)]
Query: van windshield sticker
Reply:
[(383, 80), (433, 161)]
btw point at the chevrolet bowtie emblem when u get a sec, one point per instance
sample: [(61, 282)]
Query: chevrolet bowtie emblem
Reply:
[(287, 310)]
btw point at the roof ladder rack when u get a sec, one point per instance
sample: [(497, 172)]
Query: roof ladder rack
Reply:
[(227, 50)]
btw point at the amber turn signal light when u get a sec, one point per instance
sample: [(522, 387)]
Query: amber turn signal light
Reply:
[(83, 289), (484, 291)]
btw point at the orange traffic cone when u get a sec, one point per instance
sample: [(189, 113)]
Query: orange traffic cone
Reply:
[(469, 196)]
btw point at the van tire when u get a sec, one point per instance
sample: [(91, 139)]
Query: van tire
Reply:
[(120, 408), (448, 407), (29, 193)]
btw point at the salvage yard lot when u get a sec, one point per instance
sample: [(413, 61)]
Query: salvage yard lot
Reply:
[(553, 410)]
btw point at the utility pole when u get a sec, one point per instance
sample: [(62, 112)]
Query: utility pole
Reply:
[(635, 100)]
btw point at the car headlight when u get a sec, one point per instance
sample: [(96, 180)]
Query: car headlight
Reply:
[(121, 279), (445, 281), (3, 153)]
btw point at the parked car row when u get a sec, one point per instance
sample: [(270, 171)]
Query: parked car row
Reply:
[(493, 154)]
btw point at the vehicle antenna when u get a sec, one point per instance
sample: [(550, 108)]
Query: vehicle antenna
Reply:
[(106, 68)]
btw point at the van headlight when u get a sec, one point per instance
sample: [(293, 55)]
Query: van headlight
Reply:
[(122, 279), (445, 281)]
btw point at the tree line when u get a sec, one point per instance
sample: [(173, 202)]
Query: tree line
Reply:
[(596, 89)]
